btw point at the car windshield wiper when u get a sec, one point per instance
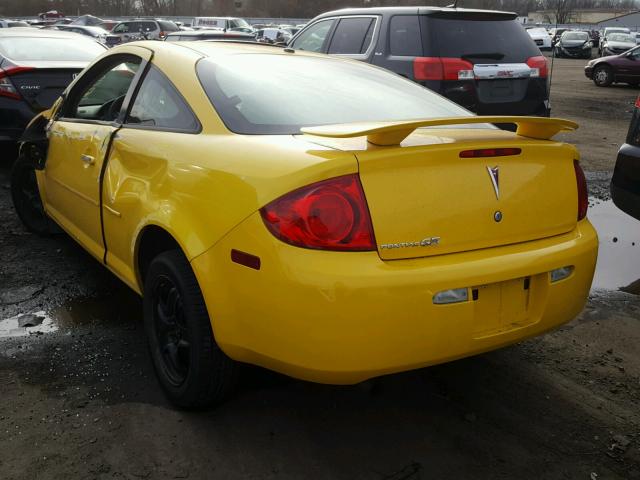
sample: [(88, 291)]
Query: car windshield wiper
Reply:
[(492, 56)]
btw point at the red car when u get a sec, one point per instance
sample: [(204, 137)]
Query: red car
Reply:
[(623, 68)]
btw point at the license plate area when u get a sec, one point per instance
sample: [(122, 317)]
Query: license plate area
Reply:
[(501, 307)]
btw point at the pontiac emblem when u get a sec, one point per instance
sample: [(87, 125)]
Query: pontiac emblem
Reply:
[(495, 180)]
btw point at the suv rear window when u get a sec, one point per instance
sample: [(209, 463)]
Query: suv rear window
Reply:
[(168, 26), (479, 39)]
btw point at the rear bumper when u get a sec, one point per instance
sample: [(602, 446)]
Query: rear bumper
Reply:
[(335, 317), (625, 184)]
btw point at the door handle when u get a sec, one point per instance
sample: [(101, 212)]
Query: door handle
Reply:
[(87, 159)]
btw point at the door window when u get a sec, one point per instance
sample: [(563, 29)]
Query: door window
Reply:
[(404, 36), (122, 28), (158, 104), (314, 37), (352, 36), (101, 95)]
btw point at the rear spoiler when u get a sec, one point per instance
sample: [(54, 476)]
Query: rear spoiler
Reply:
[(393, 133)]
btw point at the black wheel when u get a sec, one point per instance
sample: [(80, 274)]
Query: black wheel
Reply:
[(26, 199), (602, 76), (191, 368)]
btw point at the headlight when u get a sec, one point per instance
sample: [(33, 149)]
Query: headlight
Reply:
[(587, 45)]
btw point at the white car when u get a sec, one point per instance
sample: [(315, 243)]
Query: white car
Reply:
[(541, 37)]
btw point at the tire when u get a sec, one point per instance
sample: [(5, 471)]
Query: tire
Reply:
[(192, 370), (26, 199), (602, 76)]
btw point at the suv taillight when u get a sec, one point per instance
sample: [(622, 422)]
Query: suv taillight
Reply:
[(7, 88), (539, 66), (328, 215), (436, 68), (583, 196)]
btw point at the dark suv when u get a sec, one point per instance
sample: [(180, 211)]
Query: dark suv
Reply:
[(482, 60)]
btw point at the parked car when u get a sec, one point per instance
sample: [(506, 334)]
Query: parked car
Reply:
[(623, 68), (500, 72), (224, 23), (209, 35), (13, 24), (96, 33), (616, 43), (149, 29), (88, 20), (574, 44), (259, 227), (636, 36), (625, 183), (273, 35), (35, 67), (541, 37), (609, 30), (556, 33)]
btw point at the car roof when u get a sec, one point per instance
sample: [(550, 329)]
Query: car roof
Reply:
[(36, 32), (413, 10), (198, 33)]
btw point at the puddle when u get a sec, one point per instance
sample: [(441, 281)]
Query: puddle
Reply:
[(618, 266), (23, 325)]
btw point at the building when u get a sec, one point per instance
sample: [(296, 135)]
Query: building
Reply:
[(629, 20)]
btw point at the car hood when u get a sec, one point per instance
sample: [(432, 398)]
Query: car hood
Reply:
[(620, 44), (539, 36)]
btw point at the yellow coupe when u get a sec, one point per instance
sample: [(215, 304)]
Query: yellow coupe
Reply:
[(313, 215)]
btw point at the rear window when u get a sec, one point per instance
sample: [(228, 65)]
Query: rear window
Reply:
[(50, 49), (168, 26), (479, 40), (17, 24), (319, 91), (352, 35), (404, 36)]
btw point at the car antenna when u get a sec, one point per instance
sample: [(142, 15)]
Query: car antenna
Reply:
[(453, 5)]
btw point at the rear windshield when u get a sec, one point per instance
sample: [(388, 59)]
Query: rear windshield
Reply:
[(479, 40), (50, 49), (304, 91), (168, 26)]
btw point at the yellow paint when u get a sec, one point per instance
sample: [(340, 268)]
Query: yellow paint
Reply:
[(334, 317)]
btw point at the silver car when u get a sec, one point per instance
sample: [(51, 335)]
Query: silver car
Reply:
[(148, 29)]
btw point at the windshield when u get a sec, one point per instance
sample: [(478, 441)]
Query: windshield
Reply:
[(241, 22), (620, 37), (302, 91), (575, 36), (50, 49)]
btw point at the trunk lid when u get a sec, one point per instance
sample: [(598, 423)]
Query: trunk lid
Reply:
[(42, 85), (425, 199)]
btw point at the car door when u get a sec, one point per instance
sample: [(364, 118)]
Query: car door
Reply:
[(627, 67), (139, 177), (79, 140)]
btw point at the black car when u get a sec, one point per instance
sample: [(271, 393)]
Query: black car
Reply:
[(35, 68), (482, 60), (574, 44), (625, 184)]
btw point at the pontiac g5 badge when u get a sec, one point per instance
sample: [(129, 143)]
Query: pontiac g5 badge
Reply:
[(495, 180)]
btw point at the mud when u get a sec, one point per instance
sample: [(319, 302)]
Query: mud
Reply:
[(82, 401)]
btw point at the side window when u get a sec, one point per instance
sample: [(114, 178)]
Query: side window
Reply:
[(352, 36), (404, 36), (158, 104), (122, 28), (101, 97), (314, 37), (148, 26)]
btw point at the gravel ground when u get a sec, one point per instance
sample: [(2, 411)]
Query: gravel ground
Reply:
[(82, 402)]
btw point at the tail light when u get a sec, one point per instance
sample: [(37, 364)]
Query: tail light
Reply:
[(435, 68), (583, 196), (7, 88), (328, 215), (637, 104), (539, 66), (162, 34)]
